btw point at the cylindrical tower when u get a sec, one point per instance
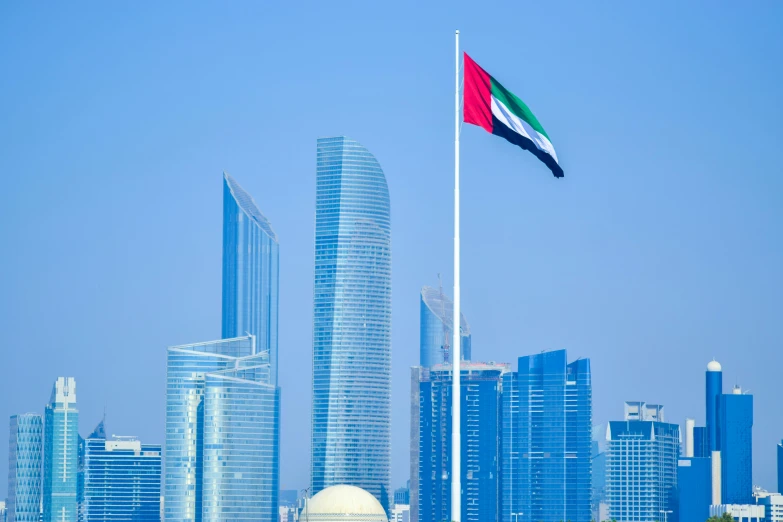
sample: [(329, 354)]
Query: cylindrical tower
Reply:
[(714, 390)]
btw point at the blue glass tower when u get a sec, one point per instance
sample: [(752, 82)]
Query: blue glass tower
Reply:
[(480, 430), (351, 321), (780, 466), (735, 433), (25, 446), (222, 416), (121, 479), (436, 318), (694, 482), (641, 469), (701, 442), (714, 380), (251, 259), (546, 440), (61, 447)]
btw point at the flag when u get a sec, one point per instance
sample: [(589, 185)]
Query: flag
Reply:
[(489, 105)]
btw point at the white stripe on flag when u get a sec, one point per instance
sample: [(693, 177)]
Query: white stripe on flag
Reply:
[(521, 127)]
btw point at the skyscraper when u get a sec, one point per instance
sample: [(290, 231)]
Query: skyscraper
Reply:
[(121, 479), (735, 433), (417, 374), (251, 259), (641, 465), (547, 422), (714, 390), (61, 447), (480, 394), (436, 318), (694, 484), (780, 466), (25, 447), (351, 321), (222, 413)]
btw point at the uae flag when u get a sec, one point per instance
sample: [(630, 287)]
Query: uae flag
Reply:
[(489, 105)]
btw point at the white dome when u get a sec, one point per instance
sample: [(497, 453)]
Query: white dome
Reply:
[(343, 502), (713, 366)]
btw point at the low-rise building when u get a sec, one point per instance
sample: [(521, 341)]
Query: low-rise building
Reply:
[(739, 512)]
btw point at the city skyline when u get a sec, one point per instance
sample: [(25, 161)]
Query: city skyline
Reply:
[(659, 248)]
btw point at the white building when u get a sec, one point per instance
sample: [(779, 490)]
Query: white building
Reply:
[(740, 512), (400, 513), (773, 505)]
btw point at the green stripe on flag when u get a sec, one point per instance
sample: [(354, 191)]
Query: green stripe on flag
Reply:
[(516, 106)]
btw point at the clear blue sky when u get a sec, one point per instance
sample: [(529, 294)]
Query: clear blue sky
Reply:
[(659, 250)]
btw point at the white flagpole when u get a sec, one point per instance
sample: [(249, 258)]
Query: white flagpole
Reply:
[(456, 346)]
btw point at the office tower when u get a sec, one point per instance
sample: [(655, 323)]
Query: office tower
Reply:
[(599, 509), (25, 446), (780, 467), (642, 455), (735, 430), (480, 430), (701, 442), (436, 318), (251, 257), (61, 447), (417, 374), (714, 381), (222, 415), (547, 419), (351, 437), (694, 486), (403, 495), (121, 479)]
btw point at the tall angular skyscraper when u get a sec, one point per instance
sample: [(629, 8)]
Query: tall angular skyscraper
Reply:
[(546, 440), (61, 453), (480, 431), (351, 426), (436, 318), (251, 271), (735, 433), (222, 414), (25, 450), (121, 479)]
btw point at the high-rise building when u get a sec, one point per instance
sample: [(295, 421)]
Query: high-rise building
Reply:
[(251, 273), (694, 484), (351, 437), (714, 389), (417, 374), (546, 440), (25, 450), (735, 434), (403, 495), (641, 465), (121, 479), (222, 415), (780, 467), (600, 510), (436, 318), (61, 453), (701, 442), (480, 387)]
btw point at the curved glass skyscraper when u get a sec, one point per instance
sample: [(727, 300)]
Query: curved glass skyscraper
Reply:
[(351, 321), (251, 259), (435, 328), (25, 450), (222, 416)]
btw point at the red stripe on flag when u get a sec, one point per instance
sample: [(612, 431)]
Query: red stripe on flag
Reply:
[(476, 95)]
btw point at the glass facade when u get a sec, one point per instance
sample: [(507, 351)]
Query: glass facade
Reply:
[(25, 446), (222, 416), (714, 389), (251, 259), (701, 442), (641, 470), (780, 466), (546, 440), (61, 453), (351, 426), (436, 318), (735, 434), (120, 480), (480, 387), (694, 482)]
